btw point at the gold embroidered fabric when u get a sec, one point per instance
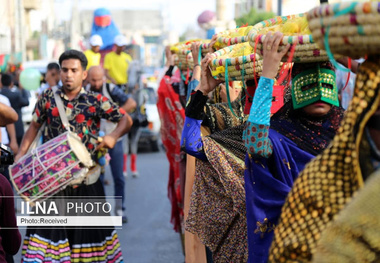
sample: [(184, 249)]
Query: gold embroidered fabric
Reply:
[(329, 181), (354, 237)]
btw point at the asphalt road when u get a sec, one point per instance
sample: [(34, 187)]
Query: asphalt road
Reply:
[(148, 237)]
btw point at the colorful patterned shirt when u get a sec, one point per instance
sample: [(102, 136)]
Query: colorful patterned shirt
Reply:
[(85, 110)]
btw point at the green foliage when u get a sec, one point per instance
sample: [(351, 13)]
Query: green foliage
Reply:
[(182, 37), (36, 35), (253, 17)]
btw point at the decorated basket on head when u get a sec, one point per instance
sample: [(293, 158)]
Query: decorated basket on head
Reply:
[(347, 28), (184, 58), (296, 32), (236, 62), (239, 62), (229, 37)]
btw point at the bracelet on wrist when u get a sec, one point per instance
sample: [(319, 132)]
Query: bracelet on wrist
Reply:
[(196, 65)]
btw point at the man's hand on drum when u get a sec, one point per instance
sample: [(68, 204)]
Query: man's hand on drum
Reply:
[(109, 142), (17, 157), (14, 146)]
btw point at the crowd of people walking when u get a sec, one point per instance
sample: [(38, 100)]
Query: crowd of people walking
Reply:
[(250, 179)]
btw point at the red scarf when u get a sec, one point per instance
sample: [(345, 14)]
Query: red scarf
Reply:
[(172, 116)]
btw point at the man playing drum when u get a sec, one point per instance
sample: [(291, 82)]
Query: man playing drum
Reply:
[(83, 110)]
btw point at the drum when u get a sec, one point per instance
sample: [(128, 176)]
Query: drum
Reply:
[(51, 167)]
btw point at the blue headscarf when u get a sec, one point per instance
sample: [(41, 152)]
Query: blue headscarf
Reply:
[(104, 27)]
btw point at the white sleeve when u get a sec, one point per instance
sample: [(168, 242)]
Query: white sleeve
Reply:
[(5, 100), (3, 130)]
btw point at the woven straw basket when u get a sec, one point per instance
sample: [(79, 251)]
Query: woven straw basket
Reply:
[(305, 51), (230, 37), (184, 59), (205, 43), (239, 68), (205, 48), (353, 27)]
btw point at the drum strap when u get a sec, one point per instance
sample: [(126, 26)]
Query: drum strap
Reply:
[(61, 109), (37, 140), (94, 173)]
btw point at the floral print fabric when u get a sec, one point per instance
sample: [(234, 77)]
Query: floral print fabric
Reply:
[(85, 110)]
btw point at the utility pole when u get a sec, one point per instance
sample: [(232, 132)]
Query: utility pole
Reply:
[(20, 23), (221, 10), (19, 34), (279, 7), (16, 24), (74, 26)]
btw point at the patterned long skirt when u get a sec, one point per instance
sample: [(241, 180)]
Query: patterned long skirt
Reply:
[(73, 244)]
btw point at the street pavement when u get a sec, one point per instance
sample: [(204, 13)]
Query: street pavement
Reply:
[(148, 237)]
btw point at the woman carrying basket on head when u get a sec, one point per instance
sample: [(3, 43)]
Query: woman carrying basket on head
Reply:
[(213, 134), (280, 146)]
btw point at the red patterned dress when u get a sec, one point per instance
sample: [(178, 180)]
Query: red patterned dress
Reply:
[(172, 116)]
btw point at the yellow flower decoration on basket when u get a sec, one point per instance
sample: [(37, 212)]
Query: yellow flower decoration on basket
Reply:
[(295, 30)]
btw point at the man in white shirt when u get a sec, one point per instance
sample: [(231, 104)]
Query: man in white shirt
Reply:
[(8, 135)]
